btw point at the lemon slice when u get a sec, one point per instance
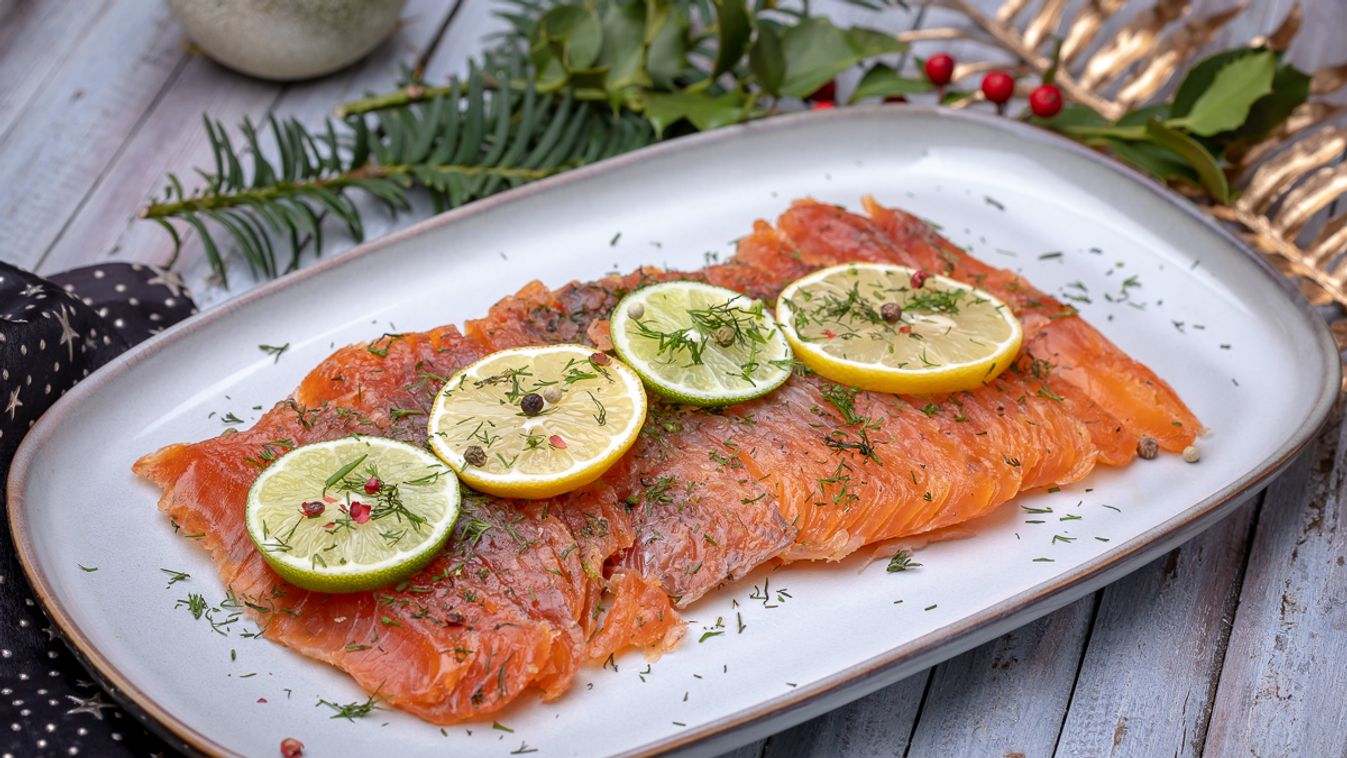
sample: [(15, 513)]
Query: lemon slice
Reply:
[(700, 344), (535, 422), (352, 514), (894, 329)]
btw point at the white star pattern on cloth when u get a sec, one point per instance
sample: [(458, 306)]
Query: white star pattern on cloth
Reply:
[(169, 279), (30, 290), (92, 705), (68, 335), (14, 403)]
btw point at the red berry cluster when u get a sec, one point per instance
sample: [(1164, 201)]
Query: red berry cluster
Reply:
[(997, 86)]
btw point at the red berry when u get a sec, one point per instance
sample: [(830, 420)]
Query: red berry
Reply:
[(359, 512), (918, 279), (600, 359), (998, 86), (1045, 101), (940, 69), (826, 105), (373, 485), (312, 509), (895, 99), (557, 442), (828, 93), (291, 748)]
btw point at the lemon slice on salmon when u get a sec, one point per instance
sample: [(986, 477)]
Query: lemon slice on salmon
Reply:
[(535, 422), (895, 329), (700, 344), (352, 514)]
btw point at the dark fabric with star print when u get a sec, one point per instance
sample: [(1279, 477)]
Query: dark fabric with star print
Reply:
[(54, 332)]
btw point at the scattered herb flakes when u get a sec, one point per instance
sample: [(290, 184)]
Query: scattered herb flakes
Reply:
[(1055, 254), (175, 576), (523, 748), (931, 607), (708, 635), (901, 561), (352, 711), (993, 202), (87, 569), (613, 242), (1044, 560), (275, 351), (1102, 539)]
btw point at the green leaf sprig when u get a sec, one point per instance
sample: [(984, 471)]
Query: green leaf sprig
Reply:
[(1226, 102), (570, 83)]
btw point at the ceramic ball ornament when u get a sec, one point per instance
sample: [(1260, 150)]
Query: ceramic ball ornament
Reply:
[(287, 39)]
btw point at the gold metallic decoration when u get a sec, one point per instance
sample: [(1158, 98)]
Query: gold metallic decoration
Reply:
[(1291, 188)]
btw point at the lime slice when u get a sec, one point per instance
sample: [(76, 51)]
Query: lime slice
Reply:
[(535, 422), (700, 344), (352, 514), (894, 329)]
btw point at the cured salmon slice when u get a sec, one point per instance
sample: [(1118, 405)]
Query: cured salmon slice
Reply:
[(698, 518), (526, 592), (515, 602), (1120, 385)]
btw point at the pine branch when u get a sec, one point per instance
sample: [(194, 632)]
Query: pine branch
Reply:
[(466, 143)]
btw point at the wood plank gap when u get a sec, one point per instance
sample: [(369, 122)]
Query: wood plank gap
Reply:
[(41, 89), (921, 706), (1080, 664), (1228, 624), (424, 58), (117, 154)]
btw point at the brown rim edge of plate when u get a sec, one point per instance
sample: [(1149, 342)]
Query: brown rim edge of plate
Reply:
[(1194, 518)]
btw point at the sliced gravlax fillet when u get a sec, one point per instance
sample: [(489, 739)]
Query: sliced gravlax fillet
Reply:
[(701, 518), (825, 234), (1079, 354), (852, 467), (695, 525), (509, 606)]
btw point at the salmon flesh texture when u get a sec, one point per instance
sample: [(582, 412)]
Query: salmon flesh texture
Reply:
[(526, 592)]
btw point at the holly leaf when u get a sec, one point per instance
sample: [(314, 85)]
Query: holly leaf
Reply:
[(1151, 157), (667, 56), (567, 38), (1072, 116), (766, 60), (1224, 104), (733, 28), (702, 109), (1209, 172), (883, 81), (623, 53), (816, 51), (1290, 89), (1140, 116), (1199, 78)]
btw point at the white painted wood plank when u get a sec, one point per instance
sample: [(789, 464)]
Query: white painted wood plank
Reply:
[(1007, 697), (876, 726), (1149, 672), (1281, 687), (63, 139), (171, 139), (35, 39)]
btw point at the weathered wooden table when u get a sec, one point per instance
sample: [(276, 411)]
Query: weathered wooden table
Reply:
[(1235, 643)]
